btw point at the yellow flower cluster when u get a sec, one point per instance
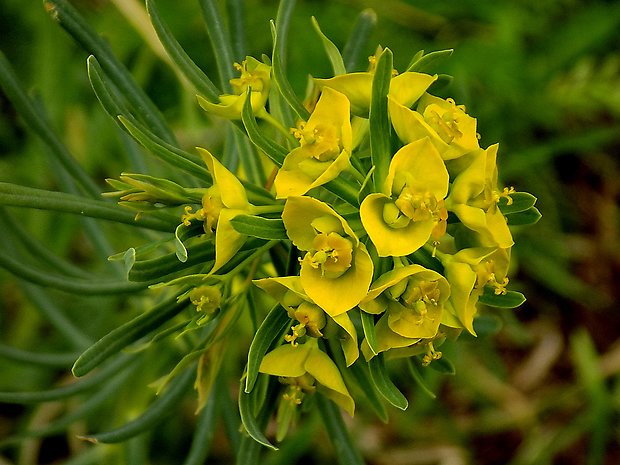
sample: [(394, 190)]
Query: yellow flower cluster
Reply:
[(438, 204)]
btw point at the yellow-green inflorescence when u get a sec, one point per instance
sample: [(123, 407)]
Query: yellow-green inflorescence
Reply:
[(411, 256)]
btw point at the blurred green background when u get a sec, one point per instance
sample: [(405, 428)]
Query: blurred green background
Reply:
[(541, 385)]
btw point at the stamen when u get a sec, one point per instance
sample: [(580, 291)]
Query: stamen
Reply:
[(431, 354), (298, 331), (188, 216)]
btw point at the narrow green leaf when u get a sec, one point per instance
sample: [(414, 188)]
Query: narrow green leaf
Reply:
[(155, 413), (347, 452), (121, 337), (107, 389), (424, 63), (520, 201), (36, 358), (511, 299), (46, 278), (69, 390), (220, 41), (49, 310), (330, 49), (250, 422), (279, 31), (270, 147), (108, 95), (271, 329), (114, 105), (70, 19), (384, 384), (204, 432), (163, 267), (35, 247), (263, 228), (355, 48), (39, 123), (417, 376), (526, 217), (380, 129), (236, 23), (184, 63), (21, 196), (361, 375), (368, 325), (164, 151)]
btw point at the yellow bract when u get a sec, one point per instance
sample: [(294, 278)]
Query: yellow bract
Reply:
[(405, 88), (474, 196), (336, 269), (411, 208), (290, 361), (325, 147), (412, 298), (449, 128), (222, 202), (254, 75), (468, 271), (288, 291)]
